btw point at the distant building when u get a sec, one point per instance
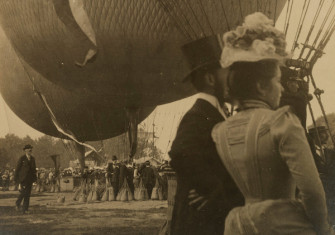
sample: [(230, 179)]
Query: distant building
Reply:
[(92, 159)]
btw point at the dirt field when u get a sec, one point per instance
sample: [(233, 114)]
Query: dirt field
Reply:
[(49, 217)]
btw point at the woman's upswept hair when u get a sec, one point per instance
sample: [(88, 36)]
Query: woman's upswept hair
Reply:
[(243, 78)]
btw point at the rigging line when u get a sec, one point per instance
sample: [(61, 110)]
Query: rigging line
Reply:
[(240, 6), (170, 133), (302, 17), (275, 15), (321, 29), (225, 15), (324, 22), (319, 51), (195, 16), (6, 115), (266, 3), (318, 97), (288, 16), (178, 26), (314, 124), (206, 16), (328, 33), (185, 18), (311, 28)]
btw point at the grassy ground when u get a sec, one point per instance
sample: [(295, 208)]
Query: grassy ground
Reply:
[(49, 217)]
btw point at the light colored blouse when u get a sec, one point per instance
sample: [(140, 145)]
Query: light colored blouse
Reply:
[(267, 154)]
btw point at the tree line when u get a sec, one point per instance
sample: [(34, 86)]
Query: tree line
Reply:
[(11, 148)]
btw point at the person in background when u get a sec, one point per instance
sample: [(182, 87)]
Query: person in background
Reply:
[(25, 176), (324, 158), (148, 178), (113, 170)]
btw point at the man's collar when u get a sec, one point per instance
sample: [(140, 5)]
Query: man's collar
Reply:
[(213, 101)]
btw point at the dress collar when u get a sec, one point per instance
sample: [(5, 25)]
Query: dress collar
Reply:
[(254, 104)]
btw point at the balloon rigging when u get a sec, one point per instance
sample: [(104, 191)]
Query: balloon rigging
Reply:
[(100, 75)]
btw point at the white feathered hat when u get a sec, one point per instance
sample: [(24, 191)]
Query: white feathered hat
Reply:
[(257, 39)]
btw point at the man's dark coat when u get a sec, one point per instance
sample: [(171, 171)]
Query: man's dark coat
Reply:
[(198, 166), (25, 171)]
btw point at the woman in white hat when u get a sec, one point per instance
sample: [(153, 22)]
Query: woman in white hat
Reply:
[(264, 147)]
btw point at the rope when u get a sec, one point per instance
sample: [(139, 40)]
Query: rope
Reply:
[(323, 42), (317, 132), (305, 44), (321, 29), (225, 15), (288, 16), (6, 115), (317, 94), (240, 6), (178, 25), (195, 16), (184, 17), (301, 20), (206, 16), (275, 15)]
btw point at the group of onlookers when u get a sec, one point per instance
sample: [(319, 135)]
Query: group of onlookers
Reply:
[(6, 179)]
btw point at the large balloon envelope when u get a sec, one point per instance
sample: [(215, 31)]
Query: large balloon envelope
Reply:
[(78, 113), (138, 60), (91, 60)]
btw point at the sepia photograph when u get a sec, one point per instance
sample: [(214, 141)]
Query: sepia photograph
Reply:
[(167, 117)]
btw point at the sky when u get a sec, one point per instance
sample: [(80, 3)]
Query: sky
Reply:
[(167, 117)]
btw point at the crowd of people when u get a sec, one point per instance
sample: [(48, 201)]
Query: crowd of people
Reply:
[(7, 179), (254, 172), (123, 180)]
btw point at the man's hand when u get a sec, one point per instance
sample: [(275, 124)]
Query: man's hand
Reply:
[(196, 200)]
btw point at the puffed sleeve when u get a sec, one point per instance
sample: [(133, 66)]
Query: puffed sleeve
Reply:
[(290, 138)]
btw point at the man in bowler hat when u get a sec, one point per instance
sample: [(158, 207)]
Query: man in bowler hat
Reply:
[(25, 176), (205, 190)]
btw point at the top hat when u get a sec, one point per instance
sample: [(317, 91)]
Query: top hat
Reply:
[(313, 130), (202, 52), (28, 146)]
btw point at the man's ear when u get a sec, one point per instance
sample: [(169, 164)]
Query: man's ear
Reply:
[(210, 79)]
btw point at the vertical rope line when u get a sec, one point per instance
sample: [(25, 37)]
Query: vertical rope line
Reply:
[(288, 16), (178, 25), (321, 29), (185, 18), (195, 17), (6, 115), (240, 6), (206, 16), (314, 124), (275, 15), (318, 97), (225, 15), (302, 17), (311, 28)]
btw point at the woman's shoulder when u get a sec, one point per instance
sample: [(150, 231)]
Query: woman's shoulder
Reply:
[(283, 122)]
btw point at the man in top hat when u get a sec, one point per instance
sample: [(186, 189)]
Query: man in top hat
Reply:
[(113, 170), (325, 162), (148, 177), (205, 191), (25, 176)]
